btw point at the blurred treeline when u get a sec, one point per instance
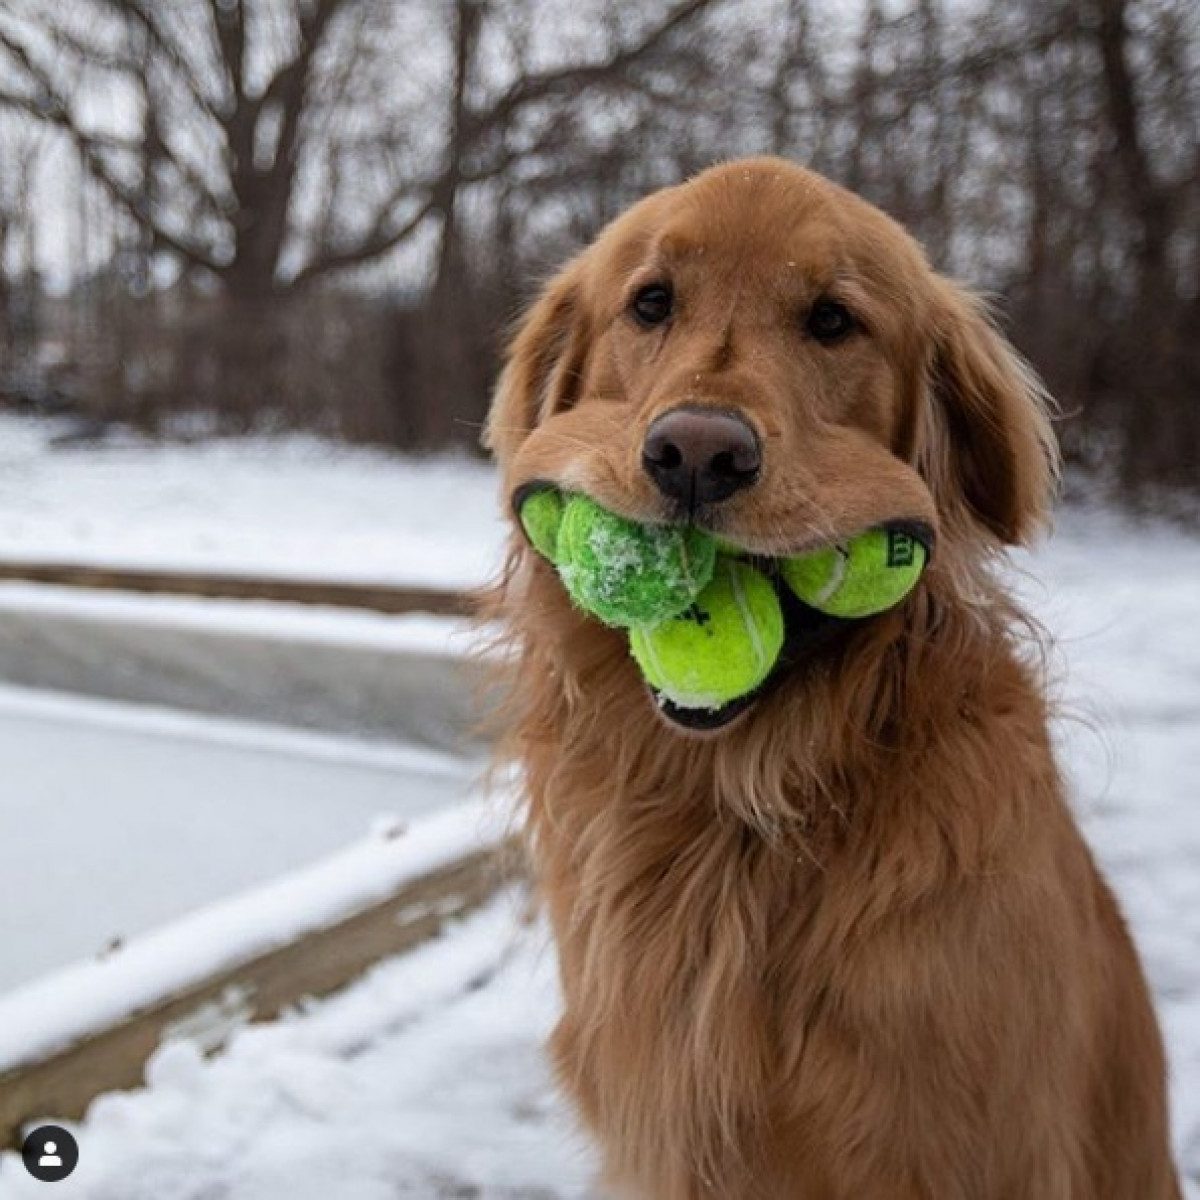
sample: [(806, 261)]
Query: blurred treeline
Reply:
[(245, 214)]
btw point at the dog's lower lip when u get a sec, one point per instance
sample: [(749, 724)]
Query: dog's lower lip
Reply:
[(704, 720)]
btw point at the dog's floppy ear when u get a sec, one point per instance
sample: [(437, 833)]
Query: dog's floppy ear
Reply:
[(989, 436), (544, 365)]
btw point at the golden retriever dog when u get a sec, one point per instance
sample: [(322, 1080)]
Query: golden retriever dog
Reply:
[(844, 941)]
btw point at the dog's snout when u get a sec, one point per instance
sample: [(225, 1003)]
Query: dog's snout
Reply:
[(701, 456)]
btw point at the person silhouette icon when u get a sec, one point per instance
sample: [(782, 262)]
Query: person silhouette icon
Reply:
[(50, 1153)]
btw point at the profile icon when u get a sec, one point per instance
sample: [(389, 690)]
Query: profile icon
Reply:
[(50, 1153)]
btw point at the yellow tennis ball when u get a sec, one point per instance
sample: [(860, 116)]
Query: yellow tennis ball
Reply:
[(721, 648), (868, 574), (541, 513)]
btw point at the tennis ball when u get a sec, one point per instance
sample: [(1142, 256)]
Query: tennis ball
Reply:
[(541, 516), (722, 647), (628, 574), (868, 574)]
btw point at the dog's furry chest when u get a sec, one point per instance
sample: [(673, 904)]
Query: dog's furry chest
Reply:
[(677, 974)]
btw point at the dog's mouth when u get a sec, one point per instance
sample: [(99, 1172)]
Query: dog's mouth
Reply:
[(806, 633), (705, 720)]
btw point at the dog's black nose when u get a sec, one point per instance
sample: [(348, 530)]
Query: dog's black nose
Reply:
[(701, 455)]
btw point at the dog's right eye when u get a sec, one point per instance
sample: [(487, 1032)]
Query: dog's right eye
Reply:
[(652, 304), (830, 321)]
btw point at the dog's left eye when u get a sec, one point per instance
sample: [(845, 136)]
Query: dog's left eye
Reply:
[(652, 304), (829, 321)]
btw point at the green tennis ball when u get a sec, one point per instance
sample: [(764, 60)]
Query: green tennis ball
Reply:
[(721, 648), (628, 574), (541, 516), (870, 573)]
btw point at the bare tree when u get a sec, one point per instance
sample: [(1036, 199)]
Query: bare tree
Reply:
[(19, 290), (249, 103), (436, 156)]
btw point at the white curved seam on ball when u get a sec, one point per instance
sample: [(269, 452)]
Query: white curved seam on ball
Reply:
[(739, 596), (652, 654), (836, 578)]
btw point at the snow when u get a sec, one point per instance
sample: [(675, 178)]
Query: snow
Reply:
[(424, 1080), (166, 723), (116, 818), (293, 507), (421, 633), (59, 1007)]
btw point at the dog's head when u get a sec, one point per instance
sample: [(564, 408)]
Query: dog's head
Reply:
[(762, 353)]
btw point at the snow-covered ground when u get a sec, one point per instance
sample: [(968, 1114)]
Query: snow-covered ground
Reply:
[(292, 507), (425, 1078)]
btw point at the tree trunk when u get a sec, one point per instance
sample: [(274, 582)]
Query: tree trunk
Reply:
[(1148, 202)]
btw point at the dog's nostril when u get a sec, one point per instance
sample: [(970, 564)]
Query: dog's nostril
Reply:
[(667, 455), (729, 464)]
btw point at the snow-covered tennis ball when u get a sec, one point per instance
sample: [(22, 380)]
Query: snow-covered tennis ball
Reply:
[(541, 516), (628, 574), (868, 574), (722, 647)]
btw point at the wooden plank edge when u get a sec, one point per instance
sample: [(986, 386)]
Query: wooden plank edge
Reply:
[(64, 1084), (384, 598)]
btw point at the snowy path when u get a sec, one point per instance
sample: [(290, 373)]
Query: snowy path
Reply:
[(425, 1080)]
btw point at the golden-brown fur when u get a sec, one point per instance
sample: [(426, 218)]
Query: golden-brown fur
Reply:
[(850, 947)]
